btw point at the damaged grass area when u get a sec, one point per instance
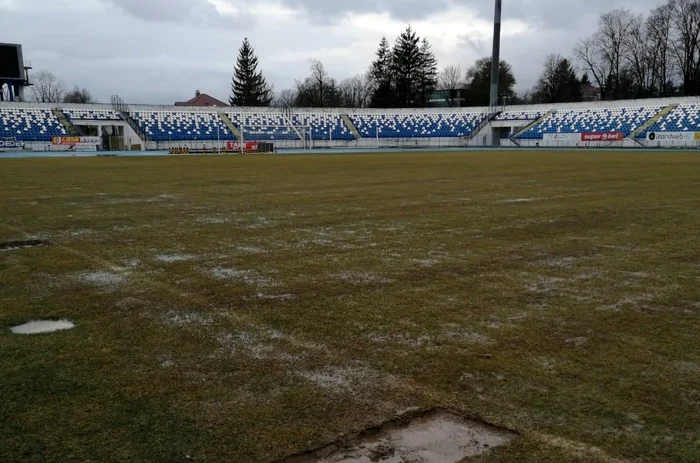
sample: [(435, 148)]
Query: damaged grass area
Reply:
[(257, 308)]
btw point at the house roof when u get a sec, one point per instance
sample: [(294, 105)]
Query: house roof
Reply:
[(201, 99)]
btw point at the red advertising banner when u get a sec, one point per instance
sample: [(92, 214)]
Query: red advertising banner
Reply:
[(236, 146), (603, 136), (76, 140)]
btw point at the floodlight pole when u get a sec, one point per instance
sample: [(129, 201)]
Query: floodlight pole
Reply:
[(496, 55), (377, 130)]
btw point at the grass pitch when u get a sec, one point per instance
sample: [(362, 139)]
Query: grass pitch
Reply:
[(247, 308)]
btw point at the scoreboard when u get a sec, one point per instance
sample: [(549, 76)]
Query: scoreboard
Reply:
[(11, 62)]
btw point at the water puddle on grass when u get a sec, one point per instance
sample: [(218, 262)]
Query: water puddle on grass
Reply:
[(13, 245), (437, 436), (41, 327)]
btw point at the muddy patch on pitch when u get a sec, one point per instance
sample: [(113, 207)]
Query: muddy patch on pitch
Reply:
[(434, 436), (103, 279), (14, 245), (174, 258)]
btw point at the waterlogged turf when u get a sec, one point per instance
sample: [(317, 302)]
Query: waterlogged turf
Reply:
[(247, 309)]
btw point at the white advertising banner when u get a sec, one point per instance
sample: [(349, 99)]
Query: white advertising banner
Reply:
[(10, 144), (673, 136), (85, 147), (561, 137)]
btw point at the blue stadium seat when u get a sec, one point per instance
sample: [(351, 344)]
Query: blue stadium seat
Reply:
[(323, 125), (685, 118), (417, 125), (263, 126), (587, 120), (182, 125), (29, 124), (521, 115), (92, 114)]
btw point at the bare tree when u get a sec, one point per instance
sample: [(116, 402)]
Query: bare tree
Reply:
[(614, 29), (450, 81), (686, 44), (286, 97), (356, 92), (47, 88), (547, 84), (604, 54), (318, 90), (658, 30), (78, 95), (639, 58), (588, 53)]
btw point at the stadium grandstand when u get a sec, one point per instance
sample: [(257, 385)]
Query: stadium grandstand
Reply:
[(671, 122)]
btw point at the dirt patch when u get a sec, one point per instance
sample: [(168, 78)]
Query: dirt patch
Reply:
[(131, 263), (546, 285), (174, 258), (517, 200), (435, 436), (687, 367), (276, 297), (347, 380), (426, 262), (249, 277), (14, 245), (213, 220), (577, 342), (362, 278), (103, 279), (175, 318), (562, 262), (251, 250)]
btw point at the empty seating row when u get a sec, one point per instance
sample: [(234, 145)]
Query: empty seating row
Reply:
[(182, 125), (263, 126), (521, 115), (29, 124), (323, 126), (92, 114), (415, 125), (588, 120), (684, 118)]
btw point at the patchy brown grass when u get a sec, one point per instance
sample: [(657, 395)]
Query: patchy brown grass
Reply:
[(248, 308)]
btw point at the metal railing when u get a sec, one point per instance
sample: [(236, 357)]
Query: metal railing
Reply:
[(122, 108)]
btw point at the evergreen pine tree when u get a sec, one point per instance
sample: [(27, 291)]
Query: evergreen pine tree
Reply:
[(427, 75), (381, 76), (406, 64), (249, 87)]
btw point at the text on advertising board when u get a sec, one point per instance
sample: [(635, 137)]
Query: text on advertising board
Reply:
[(76, 140), (602, 136)]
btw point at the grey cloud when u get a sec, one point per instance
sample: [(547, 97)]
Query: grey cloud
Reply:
[(178, 46), (475, 42), (554, 13), (195, 12), (329, 11)]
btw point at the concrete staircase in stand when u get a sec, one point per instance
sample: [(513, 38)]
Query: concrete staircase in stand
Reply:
[(73, 130), (353, 130), (532, 124), (234, 130), (652, 121), (482, 124)]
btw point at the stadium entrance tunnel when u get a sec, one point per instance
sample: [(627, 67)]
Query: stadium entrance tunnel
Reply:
[(13, 245), (430, 436)]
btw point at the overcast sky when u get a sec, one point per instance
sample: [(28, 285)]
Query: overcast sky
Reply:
[(161, 51)]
